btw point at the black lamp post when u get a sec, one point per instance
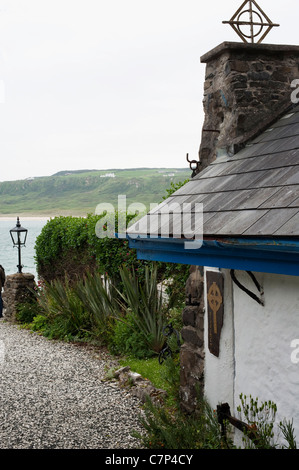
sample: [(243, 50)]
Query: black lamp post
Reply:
[(194, 166), (19, 236)]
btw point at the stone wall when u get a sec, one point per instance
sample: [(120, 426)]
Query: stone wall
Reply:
[(15, 292), (192, 351)]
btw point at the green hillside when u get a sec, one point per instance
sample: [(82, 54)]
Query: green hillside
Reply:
[(79, 192)]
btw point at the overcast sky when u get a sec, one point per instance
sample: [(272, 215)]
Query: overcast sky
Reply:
[(94, 84)]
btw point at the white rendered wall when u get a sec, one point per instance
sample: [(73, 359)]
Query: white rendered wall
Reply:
[(219, 372), (260, 339)]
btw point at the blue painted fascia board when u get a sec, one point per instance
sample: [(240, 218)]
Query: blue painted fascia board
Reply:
[(259, 255)]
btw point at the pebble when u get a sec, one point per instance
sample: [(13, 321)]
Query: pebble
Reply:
[(53, 396)]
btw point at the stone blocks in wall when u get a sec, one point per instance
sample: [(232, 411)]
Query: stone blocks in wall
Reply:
[(191, 376), (246, 86), (16, 291), (192, 351), (194, 286)]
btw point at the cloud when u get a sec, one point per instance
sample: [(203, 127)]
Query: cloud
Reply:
[(107, 84)]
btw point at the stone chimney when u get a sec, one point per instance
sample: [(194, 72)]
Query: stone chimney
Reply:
[(247, 86)]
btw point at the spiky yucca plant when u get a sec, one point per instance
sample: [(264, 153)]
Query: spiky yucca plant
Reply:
[(99, 297), (146, 304), (62, 307)]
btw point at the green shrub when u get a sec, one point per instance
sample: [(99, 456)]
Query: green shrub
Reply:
[(129, 321), (82, 309), (127, 339), (175, 317), (170, 373), (172, 429), (70, 246), (261, 416), (39, 323), (176, 276), (144, 300), (64, 310), (174, 187), (99, 298), (27, 311)]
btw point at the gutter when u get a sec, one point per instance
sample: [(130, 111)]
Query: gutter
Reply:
[(277, 256)]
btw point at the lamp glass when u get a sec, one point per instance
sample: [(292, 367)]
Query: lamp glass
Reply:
[(18, 234)]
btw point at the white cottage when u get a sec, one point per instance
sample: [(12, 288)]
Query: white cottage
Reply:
[(241, 322)]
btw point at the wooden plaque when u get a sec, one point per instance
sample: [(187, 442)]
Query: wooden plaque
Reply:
[(215, 287)]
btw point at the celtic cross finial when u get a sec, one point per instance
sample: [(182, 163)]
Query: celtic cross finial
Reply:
[(251, 16)]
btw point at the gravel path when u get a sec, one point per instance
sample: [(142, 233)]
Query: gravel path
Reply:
[(52, 397)]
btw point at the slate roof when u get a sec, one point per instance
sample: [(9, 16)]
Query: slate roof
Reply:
[(254, 193)]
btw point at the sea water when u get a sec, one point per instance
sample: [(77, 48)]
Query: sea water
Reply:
[(9, 254)]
